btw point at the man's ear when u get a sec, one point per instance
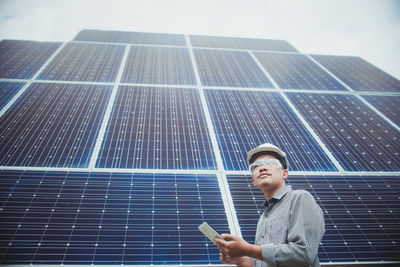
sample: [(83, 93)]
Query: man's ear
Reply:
[(285, 174), (252, 181)]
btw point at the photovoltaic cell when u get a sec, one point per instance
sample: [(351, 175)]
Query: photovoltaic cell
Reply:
[(158, 65), (388, 105), (358, 73), (361, 214), (53, 125), (244, 120), (85, 62), (7, 91), (157, 128), (108, 218), (131, 37), (358, 138), (22, 59), (240, 43), (296, 71), (229, 68)]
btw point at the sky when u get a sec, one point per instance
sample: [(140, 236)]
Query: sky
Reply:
[(366, 28)]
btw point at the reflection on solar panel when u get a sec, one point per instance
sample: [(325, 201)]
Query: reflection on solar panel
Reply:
[(388, 105), (229, 68), (243, 120), (85, 62), (361, 213), (157, 128), (131, 37), (158, 65), (358, 137), (53, 125), (241, 43), (108, 218), (295, 71), (7, 91), (22, 59), (358, 73)]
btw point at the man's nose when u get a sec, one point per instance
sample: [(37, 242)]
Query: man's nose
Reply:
[(263, 167)]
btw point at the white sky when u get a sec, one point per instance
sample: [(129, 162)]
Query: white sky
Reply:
[(366, 28)]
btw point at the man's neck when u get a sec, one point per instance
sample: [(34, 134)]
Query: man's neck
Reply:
[(269, 193)]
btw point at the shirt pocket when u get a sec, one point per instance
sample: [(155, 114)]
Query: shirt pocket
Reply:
[(277, 231)]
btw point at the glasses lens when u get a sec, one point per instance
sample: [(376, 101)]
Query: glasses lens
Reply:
[(267, 162)]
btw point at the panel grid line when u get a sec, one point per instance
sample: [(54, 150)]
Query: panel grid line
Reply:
[(361, 93), (107, 114), (223, 184)]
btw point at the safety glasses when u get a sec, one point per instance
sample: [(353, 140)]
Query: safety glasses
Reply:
[(256, 165)]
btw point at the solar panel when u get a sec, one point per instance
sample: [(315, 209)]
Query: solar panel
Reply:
[(108, 218), (114, 147), (229, 68), (358, 137), (361, 214), (358, 73), (131, 37), (22, 59), (85, 62), (244, 120), (240, 43), (53, 125), (7, 91), (388, 105), (157, 128), (158, 65), (296, 71)]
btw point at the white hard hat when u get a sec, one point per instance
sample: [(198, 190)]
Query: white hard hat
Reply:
[(270, 149)]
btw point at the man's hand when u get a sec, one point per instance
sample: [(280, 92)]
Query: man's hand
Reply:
[(233, 251), (237, 247)]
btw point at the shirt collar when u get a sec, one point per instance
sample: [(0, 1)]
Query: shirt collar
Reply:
[(279, 195)]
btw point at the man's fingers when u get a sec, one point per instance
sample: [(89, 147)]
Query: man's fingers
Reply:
[(228, 236), (218, 241)]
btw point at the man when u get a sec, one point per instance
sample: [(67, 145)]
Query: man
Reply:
[(292, 225)]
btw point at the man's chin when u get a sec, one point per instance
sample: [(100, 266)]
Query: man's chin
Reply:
[(263, 183)]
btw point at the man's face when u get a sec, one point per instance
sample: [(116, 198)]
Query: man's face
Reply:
[(268, 177)]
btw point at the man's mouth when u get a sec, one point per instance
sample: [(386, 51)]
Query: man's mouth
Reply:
[(264, 174)]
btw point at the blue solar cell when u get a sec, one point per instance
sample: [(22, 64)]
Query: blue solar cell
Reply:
[(388, 105), (85, 62), (53, 125), (357, 136), (22, 59), (295, 71), (358, 73), (131, 37), (240, 43), (244, 120), (158, 65), (229, 68), (132, 219), (7, 91), (356, 209), (157, 128)]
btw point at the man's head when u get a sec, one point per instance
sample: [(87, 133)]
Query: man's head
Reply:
[(268, 166)]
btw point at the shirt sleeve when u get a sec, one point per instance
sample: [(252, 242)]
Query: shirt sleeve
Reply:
[(306, 227)]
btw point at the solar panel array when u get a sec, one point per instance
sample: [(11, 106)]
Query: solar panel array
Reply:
[(115, 146)]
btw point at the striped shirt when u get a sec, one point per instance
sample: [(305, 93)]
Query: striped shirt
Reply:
[(290, 230)]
